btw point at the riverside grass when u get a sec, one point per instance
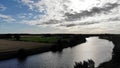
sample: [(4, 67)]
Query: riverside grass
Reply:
[(40, 39)]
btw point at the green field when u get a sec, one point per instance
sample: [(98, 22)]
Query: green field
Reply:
[(40, 39)]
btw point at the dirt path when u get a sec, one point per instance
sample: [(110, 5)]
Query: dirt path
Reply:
[(7, 45)]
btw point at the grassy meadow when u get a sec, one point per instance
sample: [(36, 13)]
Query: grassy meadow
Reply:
[(51, 39)]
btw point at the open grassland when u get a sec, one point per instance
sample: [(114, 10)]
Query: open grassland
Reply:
[(7, 45), (40, 39)]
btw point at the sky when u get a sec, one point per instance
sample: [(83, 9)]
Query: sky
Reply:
[(60, 16)]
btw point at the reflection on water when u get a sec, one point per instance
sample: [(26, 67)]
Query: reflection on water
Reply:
[(99, 50), (96, 49)]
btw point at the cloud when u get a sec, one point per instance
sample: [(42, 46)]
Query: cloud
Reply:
[(2, 7), (6, 18), (114, 19), (80, 24), (72, 18), (24, 16), (29, 3), (75, 15), (95, 10), (90, 22)]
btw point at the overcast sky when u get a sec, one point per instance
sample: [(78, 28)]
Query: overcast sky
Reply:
[(60, 16)]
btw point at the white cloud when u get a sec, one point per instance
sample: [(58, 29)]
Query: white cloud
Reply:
[(29, 3), (24, 16), (6, 18), (79, 15)]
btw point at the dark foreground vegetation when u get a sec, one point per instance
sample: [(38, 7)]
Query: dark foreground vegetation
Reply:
[(85, 64)]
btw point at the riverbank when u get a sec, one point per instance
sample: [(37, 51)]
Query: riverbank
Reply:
[(28, 45), (9, 49)]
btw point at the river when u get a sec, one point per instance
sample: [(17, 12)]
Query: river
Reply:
[(99, 50)]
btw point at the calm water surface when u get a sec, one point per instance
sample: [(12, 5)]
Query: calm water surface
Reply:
[(99, 50)]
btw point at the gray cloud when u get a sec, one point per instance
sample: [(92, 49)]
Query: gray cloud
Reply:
[(77, 16), (80, 23), (51, 22), (91, 22), (95, 10), (114, 19), (68, 25)]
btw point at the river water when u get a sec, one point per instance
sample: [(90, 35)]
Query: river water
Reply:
[(99, 50)]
